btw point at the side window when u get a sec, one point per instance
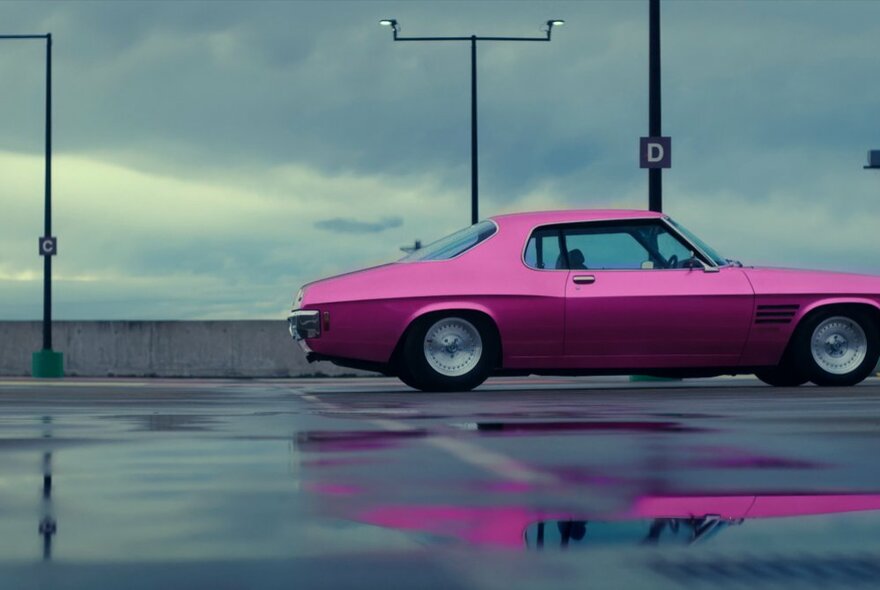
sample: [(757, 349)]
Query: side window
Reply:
[(543, 251), (605, 248), (671, 249), (629, 245)]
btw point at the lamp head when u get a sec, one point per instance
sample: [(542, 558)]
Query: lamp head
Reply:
[(556, 22), (388, 22)]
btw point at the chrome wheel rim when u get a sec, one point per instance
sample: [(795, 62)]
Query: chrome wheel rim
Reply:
[(453, 347), (839, 345)]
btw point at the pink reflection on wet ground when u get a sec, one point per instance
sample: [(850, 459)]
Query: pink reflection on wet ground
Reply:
[(724, 457), (497, 526), (504, 526), (332, 489)]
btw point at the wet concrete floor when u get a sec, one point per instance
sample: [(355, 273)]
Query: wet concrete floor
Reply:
[(362, 483)]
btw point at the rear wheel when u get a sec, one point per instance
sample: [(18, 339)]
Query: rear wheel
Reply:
[(837, 347), (782, 376), (452, 352)]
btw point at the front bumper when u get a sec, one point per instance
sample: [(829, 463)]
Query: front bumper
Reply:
[(304, 324)]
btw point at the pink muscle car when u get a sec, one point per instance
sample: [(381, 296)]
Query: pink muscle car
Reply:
[(588, 292)]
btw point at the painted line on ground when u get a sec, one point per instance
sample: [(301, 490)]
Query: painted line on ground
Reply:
[(464, 451)]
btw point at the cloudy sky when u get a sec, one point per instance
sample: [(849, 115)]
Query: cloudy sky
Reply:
[(210, 157)]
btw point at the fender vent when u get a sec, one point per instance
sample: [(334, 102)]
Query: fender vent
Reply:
[(775, 314)]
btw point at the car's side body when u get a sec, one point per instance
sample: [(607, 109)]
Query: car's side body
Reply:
[(711, 319)]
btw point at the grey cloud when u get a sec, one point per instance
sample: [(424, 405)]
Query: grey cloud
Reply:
[(196, 87), (763, 101), (355, 226)]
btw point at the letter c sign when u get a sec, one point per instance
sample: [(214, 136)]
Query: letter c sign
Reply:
[(655, 152), (48, 246)]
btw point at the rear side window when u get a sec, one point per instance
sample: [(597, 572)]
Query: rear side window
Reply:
[(543, 251), (455, 244)]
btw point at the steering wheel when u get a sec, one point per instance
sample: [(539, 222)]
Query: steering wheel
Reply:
[(672, 262), (692, 262)]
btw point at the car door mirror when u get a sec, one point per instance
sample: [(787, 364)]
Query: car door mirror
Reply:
[(695, 262)]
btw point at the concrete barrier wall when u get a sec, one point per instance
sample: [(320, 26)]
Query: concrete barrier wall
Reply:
[(259, 348), (163, 349)]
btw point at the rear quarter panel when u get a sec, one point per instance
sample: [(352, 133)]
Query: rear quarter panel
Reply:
[(371, 309)]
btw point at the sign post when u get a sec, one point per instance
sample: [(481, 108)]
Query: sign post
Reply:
[(46, 362), (655, 173)]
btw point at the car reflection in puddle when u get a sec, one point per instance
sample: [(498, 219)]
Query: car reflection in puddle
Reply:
[(545, 427), (650, 521), (677, 531)]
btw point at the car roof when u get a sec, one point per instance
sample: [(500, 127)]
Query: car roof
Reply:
[(575, 215)]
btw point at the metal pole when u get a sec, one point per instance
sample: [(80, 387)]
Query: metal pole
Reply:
[(47, 260), (46, 362), (475, 189), (655, 175)]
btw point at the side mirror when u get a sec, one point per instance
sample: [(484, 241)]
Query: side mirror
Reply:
[(694, 262), (706, 267)]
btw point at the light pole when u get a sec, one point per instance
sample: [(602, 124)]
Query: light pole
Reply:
[(874, 164), (475, 191), (655, 175), (46, 362), (655, 150)]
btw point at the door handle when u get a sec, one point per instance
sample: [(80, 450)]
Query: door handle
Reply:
[(584, 279)]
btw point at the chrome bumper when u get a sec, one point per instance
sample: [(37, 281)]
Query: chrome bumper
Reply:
[(304, 324)]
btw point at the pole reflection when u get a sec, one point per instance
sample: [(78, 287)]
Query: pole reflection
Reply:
[(48, 525)]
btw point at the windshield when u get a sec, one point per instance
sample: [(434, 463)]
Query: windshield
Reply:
[(455, 244), (708, 250)]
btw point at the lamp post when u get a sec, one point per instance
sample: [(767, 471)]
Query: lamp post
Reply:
[(655, 175), (874, 164), (475, 191), (46, 362)]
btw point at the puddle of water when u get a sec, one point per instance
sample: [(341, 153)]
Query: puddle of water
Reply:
[(550, 427), (362, 440)]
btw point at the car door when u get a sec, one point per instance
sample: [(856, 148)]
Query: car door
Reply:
[(638, 295)]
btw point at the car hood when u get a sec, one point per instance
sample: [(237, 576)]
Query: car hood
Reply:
[(781, 281)]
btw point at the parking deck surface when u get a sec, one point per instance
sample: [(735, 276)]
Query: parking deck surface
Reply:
[(362, 483)]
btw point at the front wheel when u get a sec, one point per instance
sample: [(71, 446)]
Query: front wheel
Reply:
[(837, 348), (449, 353)]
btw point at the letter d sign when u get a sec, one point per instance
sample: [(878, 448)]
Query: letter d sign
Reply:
[(655, 152)]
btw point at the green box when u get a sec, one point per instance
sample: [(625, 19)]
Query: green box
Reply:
[(47, 364)]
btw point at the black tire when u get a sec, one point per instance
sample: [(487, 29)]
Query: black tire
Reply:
[(781, 376), (806, 361), (404, 375), (418, 369)]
